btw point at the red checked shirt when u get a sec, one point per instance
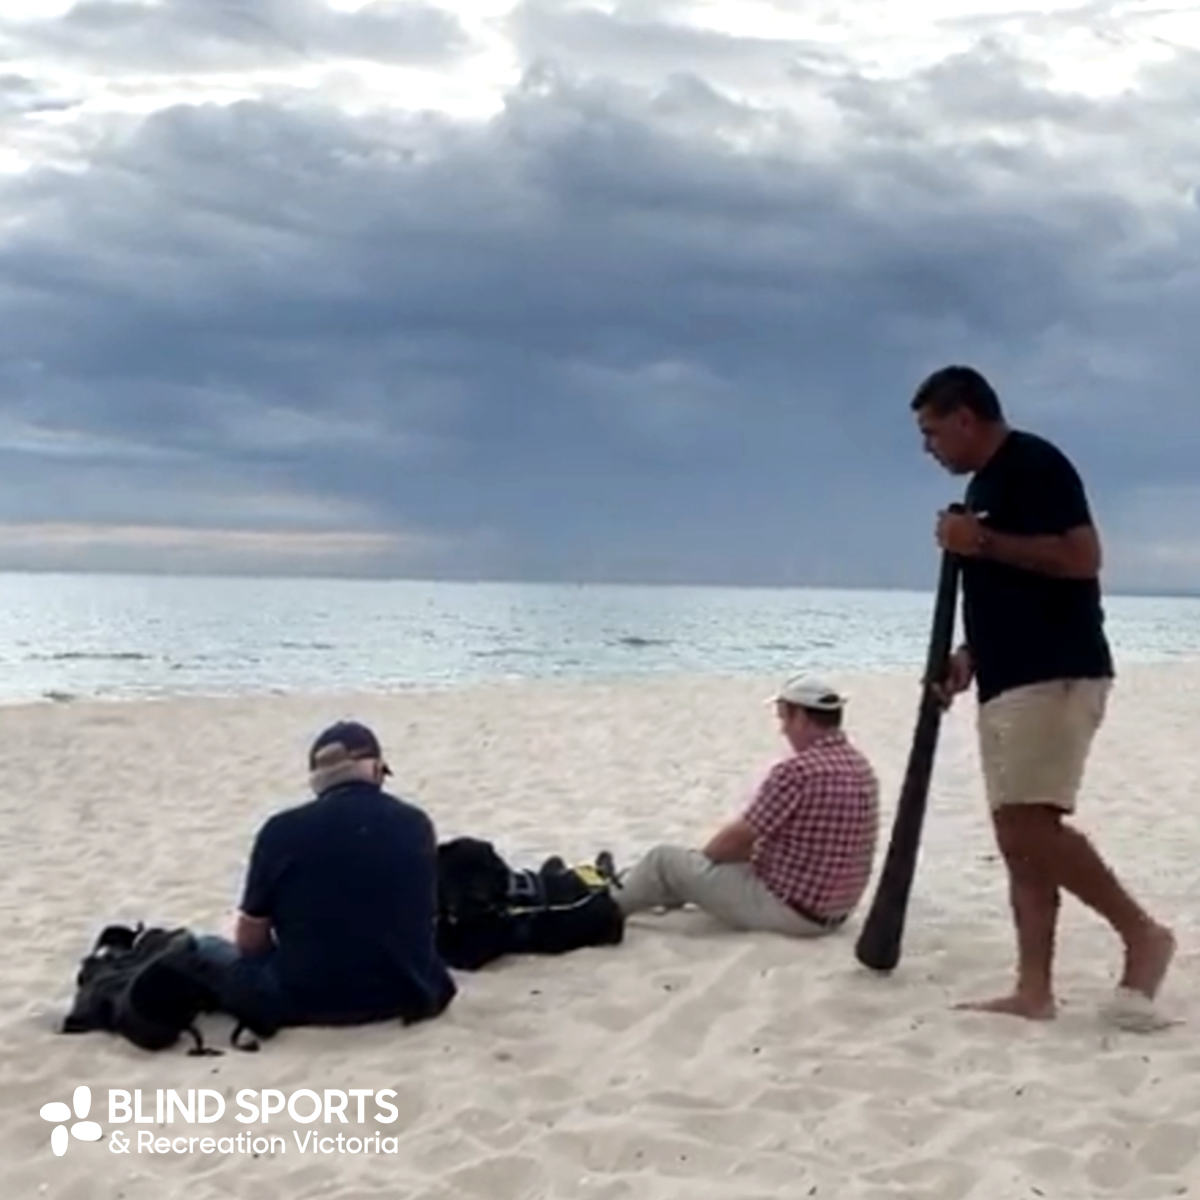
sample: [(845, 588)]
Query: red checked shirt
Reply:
[(817, 819)]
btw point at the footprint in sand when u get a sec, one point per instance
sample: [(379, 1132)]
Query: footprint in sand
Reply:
[(621, 1150), (1109, 1169), (1169, 1149), (500, 1177)]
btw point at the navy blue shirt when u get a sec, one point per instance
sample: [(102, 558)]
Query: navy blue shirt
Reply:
[(349, 884), (1022, 626)]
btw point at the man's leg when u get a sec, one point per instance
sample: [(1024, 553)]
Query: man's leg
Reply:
[(1034, 745), (244, 985), (216, 951), (673, 876), (1033, 897)]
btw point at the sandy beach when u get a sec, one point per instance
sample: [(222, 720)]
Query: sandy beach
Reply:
[(688, 1062)]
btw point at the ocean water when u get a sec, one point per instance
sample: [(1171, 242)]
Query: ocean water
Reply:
[(124, 637)]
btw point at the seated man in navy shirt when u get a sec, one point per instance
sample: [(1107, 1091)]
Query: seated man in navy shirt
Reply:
[(338, 917)]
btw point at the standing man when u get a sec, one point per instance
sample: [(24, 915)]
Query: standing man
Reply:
[(1040, 660)]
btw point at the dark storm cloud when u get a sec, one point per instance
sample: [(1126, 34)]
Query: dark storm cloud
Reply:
[(232, 35), (643, 41), (653, 331), (22, 96)]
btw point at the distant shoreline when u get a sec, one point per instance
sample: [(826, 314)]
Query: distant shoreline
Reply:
[(1133, 671), (1110, 591)]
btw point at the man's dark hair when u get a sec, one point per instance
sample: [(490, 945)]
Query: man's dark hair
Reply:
[(827, 718), (951, 388)]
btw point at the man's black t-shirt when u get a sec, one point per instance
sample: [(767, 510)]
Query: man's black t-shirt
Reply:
[(1024, 627), (349, 883)]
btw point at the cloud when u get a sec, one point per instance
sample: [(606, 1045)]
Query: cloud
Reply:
[(21, 96), (640, 43), (170, 36), (56, 546), (641, 321)]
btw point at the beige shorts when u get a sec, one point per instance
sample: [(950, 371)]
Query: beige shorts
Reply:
[(1034, 741)]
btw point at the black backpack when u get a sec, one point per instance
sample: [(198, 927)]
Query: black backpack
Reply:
[(488, 910), (150, 986)]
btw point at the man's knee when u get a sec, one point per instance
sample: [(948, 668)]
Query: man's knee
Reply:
[(216, 951), (1025, 833), (246, 986), (667, 856)]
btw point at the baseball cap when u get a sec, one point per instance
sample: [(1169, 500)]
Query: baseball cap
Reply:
[(342, 742), (806, 692)]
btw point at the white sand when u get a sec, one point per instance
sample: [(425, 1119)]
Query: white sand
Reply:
[(688, 1062)]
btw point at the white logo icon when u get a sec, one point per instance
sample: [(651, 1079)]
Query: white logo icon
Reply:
[(85, 1131)]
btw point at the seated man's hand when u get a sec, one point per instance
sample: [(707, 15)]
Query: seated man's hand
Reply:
[(252, 935), (734, 842)]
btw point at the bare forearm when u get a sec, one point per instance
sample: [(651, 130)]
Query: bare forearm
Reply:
[(251, 936), (1047, 555), (731, 844)]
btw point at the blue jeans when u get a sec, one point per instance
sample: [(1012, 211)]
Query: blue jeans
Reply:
[(247, 986)]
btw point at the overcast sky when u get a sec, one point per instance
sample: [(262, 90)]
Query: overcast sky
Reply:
[(552, 290)]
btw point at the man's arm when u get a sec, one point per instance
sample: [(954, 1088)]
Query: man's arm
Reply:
[(773, 805), (1075, 554), (252, 933), (733, 842), (1067, 545), (430, 849)]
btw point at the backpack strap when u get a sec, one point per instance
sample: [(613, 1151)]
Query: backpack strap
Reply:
[(526, 888), (251, 1046), (200, 1050)]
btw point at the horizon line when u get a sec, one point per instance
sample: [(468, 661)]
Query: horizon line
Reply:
[(1181, 593)]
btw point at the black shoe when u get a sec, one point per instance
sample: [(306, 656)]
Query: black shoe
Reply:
[(606, 867)]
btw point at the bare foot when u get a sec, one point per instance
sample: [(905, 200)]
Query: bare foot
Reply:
[(1014, 1005), (1147, 960)]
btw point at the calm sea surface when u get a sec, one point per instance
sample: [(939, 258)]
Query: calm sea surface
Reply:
[(64, 636)]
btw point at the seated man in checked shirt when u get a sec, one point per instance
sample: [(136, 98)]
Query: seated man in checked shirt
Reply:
[(798, 859)]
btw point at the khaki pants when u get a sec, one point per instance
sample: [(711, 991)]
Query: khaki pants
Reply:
[(672, 876), (1034, 741)]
